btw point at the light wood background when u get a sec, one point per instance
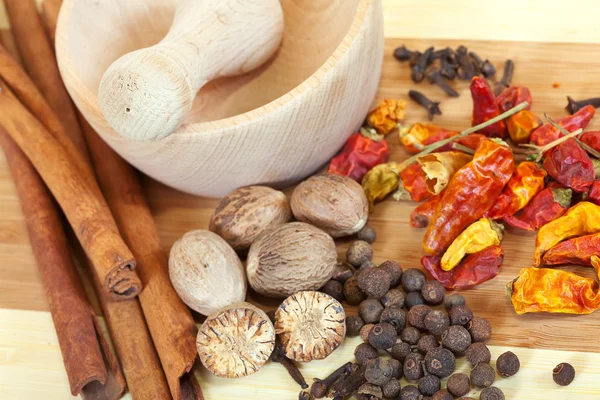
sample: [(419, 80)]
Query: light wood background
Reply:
[(30, 363)]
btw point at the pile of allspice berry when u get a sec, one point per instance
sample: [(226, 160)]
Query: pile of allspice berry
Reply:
[(410, 329)]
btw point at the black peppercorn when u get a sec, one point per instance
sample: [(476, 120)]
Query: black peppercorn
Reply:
[(394, 316), (442, 395), (370, 310), (478, 353), (400, 350), (480, 329), (436, 322), (413, 280), (365, 352), (367, 234), (440, 362), (359, 252), (410, 392), (378, 371), (460, 315), (410, 335), (458, 385), (416, 316), (413, 370), (396, 368), (413, 299), (456, 339), (335, 289), (508, 364), (374, 282), (482, 376), (364, 332), (454, 300), (429, 384), (353, 325), (491, 393), (391, 390), (426, 343), (394, 297), (395, 271), (352, 292), (383, 336), (563, 374), (433, 292)]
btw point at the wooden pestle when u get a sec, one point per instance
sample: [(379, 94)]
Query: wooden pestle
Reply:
[(146, 94)]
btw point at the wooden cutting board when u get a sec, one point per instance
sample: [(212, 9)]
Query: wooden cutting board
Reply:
[(30, 364)]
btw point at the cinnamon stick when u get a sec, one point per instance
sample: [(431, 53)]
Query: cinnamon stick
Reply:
[(50, 9)]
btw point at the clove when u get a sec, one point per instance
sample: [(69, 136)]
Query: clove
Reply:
[(403, 54), (418, 70), (509, 69), (304, 396), (355, 380), (575, 106), (466, 71), (320, 387), (486, 68), (449, 64), (278, 356), (435, 77), (414, 59), (432, 107)]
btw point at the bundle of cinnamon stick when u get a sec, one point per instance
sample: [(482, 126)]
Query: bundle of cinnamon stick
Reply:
[(53, 152)]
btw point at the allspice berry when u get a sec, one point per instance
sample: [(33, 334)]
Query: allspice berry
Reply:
[(426, 343), (358, 253), (413, 369), (416, 316), (353, 325), (352, 292), (391, 390), (335, 289), (383, 336), (429, 384), (460, 315), (364, 332), (370, 390), (367, 233), (454, 299), (397, 367), (410, 392), (440, 362), (410, 335), (395, 271), (458, 384), (413, 299), (370, 310), (436, 322), (508, 364), (367, 264), (483, 375), (413, 280), (400, 350), (442, 395), (478, 353), (480, 329), (563, 374), (365, 352), (342, 272), (378, 371), (394, 297), (394, 316), (374, 282), (491, 393), (433, 292), (456, 339)]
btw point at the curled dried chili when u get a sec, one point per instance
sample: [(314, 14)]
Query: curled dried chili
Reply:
[(526, 182), (521, 125), (380, 181), (418, 136), (358, 156), (593, 195), (578, 250), (438, 168), (545, 206), (413, 181), (570, 165), (470, 193), (592, 139), (548, 133), (475, 269), (422, 214), (513, 95), (387, 115), (486, 108)]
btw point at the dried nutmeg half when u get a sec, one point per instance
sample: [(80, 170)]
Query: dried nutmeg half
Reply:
[(244, 214), (311, 325), (334, 203), (236, 341)]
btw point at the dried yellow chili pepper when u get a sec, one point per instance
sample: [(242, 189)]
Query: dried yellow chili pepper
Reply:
[(438, 168), (380, 181), (581, 219), (478, 236), (386, 116)]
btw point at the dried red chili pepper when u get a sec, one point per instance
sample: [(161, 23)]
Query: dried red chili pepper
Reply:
[(526, 182), (570, 165), (486, 108), (547, 133), (418, 136), (414, 183), (358, 156), (578, 250), (593, 194), (512, 96), (474, 269), (592, 139), (470, 193), (421, 215), (545, 206)]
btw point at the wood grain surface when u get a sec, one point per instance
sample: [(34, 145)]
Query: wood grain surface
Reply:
[(30, 359)]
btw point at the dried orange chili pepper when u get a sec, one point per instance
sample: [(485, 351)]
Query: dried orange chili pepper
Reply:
[(439, 168), (471, 141), (526, 182), (413, 180), (380, 181), (570, 165), (548, 133), (521, 125), (470, 193), (476, 268), (486, 108), (592, 139), (581, 219), (358, 156), (419, 136), (578, 250), (478, 236), (545, 206), (593, 195), (512, 96), (386, 116), (421, 215)]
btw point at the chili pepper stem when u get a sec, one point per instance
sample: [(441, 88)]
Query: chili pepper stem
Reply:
[(544, 149), (587, 148), (464, 149)]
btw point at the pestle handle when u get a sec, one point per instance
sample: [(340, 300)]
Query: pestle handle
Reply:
[(146, 94)]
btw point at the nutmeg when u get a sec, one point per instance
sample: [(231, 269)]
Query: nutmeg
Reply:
[(290, 258), (334, 203), (245, 213), (206, 273)]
